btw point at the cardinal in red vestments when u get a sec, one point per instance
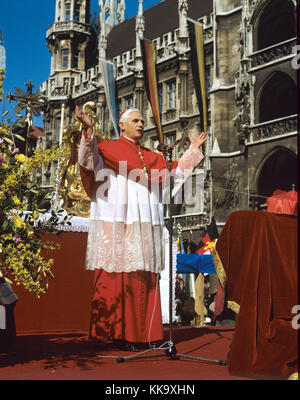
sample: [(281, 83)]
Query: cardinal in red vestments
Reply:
[(125, 243)]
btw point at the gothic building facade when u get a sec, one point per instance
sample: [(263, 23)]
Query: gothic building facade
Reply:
[(250, 82)]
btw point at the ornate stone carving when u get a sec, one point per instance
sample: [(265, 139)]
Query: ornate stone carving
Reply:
[(243, 83), (242, 97), (274, 53), (274, 128), (111, 12), (188, 222), (140, 20)]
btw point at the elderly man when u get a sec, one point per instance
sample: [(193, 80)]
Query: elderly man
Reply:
[(125, 241)]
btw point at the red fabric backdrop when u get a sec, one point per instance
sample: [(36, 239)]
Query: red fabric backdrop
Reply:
[(258, 252), (67, 304)]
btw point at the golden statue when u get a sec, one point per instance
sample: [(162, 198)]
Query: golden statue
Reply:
[(76, 201)]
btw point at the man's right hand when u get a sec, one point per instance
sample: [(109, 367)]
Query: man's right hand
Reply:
[(85, 120)]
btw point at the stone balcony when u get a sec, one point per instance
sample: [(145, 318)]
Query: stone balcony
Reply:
[(273, 129), (62, 26), (189, 222), (273, 53)]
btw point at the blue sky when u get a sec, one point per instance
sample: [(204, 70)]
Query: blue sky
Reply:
[(24, 24)]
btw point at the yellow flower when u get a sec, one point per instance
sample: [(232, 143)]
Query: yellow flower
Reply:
[(36, 214), (21, 158), (17, 221), (16, 200), (30, 233)]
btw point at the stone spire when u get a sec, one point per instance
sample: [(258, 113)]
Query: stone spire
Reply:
[(111, 12), (138, 68), (182, 12), (139, 29)]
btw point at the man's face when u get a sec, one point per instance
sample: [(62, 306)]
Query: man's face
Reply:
[(133, 128)]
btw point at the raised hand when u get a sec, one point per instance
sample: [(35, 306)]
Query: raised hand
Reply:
[(198, 140), (83, 117), (85, 120)]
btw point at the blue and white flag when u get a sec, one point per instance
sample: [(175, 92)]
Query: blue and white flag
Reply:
[(107, 70)]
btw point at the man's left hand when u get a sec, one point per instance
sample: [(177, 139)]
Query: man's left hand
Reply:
[(198, 140)]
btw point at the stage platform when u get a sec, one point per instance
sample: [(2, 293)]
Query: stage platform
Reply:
[(69, 355)]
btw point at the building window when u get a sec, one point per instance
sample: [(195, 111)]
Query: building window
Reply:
[(77, 12), (170, 138), (171, 95), (67, 11), (76, 60), (279, 86), (160, 97), (278, 171), (207, 81), (276, 24), (58, 125), (129, 102), (118, 107), (154, 143), (65, 58)]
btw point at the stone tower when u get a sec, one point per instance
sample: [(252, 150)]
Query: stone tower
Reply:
[(68, 37), (72, 42)]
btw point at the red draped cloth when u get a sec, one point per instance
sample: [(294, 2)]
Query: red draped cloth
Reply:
[(256, 263), (126, 306)]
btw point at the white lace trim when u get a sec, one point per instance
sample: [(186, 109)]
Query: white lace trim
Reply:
[(118, 247)]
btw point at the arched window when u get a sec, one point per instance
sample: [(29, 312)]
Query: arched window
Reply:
[(276, 24), (279, 171), (278, 97)]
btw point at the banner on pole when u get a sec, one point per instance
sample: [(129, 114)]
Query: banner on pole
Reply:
[(150, 78), (198, 69), (107, 69)]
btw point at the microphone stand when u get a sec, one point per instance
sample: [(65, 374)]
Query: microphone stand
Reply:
[(170, 351)]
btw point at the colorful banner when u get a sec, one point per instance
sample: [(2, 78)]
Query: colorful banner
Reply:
[(208, 242), (150, 78), (107, 69), (198, 69)]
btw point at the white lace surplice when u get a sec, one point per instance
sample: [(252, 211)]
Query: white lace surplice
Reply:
[(126, 219)]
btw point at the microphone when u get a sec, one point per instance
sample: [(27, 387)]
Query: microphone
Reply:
[(164, 147)]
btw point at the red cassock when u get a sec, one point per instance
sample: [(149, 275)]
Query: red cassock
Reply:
[(126, 305), (123, 305)]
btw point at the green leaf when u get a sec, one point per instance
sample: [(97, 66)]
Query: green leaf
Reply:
[(8, 141), (4, 114), (5, 224), (20, 137)]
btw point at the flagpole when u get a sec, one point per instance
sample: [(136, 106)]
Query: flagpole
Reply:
[(195, 22)]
